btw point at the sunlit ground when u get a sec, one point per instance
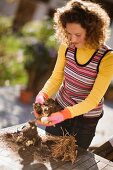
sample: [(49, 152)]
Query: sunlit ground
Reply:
[(12, 111)]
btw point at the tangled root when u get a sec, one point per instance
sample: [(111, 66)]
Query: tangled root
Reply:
[(64, 148)]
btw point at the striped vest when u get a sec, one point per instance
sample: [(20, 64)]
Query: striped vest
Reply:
[(79, 80)]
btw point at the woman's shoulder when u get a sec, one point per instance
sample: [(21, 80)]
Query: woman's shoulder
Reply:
[(63, 46), (106, 47), (108, 54), (109, 51), (105, 50)]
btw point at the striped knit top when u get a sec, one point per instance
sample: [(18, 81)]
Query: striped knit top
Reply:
[(101, 74), (79, 80)]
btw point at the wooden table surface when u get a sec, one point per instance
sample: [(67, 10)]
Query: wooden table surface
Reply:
[(10, 160)]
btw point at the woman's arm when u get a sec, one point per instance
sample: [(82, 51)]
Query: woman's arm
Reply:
[(102, 82), (54, 82)]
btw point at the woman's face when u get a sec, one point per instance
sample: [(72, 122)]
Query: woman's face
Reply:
[(76, 34)]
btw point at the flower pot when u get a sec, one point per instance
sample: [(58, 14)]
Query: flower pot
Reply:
[(26, 96)]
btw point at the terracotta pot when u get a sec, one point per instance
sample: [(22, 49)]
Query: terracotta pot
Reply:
[(26, 96)]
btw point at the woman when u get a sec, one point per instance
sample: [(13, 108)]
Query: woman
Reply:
[(82, 73)]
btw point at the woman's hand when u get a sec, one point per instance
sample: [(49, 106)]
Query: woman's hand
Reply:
[(55, 118), (40, 98)]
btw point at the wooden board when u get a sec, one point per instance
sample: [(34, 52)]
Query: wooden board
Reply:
[(11, 160)]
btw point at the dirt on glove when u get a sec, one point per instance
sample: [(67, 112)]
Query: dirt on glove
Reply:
[(49, 106)]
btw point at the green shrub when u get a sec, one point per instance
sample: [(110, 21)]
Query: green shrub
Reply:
[(11, 55), (20, 55)]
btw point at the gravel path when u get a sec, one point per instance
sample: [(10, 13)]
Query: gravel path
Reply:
[(12, 111)]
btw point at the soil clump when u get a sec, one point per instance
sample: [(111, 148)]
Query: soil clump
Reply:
[(49, 106), (30, 146)]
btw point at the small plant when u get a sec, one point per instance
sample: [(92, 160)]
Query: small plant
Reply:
[(11, 55)]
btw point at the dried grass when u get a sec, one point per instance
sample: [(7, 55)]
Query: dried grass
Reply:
[(63, 148)]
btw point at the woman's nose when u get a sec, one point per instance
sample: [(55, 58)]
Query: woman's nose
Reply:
[(73, 39)]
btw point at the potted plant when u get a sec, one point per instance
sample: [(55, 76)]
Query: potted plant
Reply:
[(40, 56)]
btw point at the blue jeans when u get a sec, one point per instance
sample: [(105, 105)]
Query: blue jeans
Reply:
[(81, 127)]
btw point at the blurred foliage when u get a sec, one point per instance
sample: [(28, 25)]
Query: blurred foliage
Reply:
[(33, 49), (5, 25), (41, 47), (37, 57), (41, 30), (11, 67), (40, 50)]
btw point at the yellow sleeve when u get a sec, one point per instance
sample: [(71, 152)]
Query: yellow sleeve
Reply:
[(102, 82), (54, 82)]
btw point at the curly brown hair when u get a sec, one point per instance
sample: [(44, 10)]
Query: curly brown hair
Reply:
[(91, 16)]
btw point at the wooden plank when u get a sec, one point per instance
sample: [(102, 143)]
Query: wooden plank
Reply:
[(35, 167), (87, 164), (56, 164), (108, 167), (82, 157), (69, 165), (9, 164), (10, 159), (110, 156), (85, 160), (103, 160), (104, 150), (98, 166), (99, 161), (97, 157)]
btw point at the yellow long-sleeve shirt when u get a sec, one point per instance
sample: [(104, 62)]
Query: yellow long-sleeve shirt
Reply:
[(101, 84)]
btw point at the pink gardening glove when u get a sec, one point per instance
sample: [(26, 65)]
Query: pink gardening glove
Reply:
[(40, 98), (56, 117)]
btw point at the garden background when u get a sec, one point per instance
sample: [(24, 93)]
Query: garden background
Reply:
[(28, 51)]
